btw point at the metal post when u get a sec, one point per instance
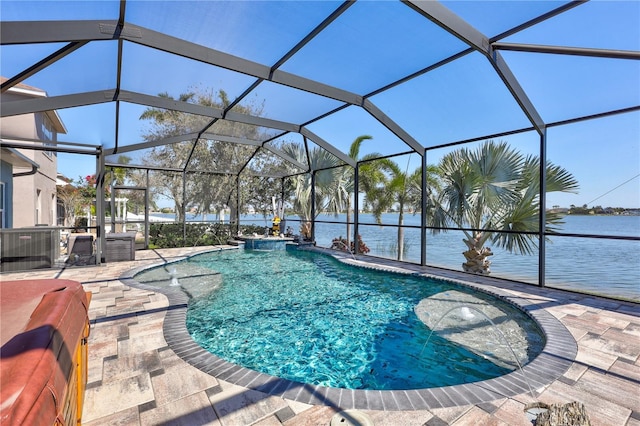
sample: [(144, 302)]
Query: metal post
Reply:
[(543, 209), (114, 209), (100, 176), (423, 207), (356, 208), (283, 220), (184, 211), (146, 211), (237, 204), (313, 205)]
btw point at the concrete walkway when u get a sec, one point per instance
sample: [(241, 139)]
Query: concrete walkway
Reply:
[(136, 378)]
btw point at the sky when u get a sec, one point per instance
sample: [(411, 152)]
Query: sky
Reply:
[(371, 44)]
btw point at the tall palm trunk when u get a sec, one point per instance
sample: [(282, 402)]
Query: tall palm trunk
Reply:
[(401, 233), (348, 223)]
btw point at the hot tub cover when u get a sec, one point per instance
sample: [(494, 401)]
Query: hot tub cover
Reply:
[(42, 323)]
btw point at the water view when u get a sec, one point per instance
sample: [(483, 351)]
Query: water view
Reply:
[(595, 265)]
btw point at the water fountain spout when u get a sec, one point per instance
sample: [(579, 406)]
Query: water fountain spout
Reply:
[(174, 276), (468, 313), (348, 250)]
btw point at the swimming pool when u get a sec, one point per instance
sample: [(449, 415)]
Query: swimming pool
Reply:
[(308, 318)]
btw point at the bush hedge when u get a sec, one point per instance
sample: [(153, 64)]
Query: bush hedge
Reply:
[(169, 235)]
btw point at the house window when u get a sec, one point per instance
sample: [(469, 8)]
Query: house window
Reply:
[(2, 204), (52, 211), (47, 134), (38, 205)]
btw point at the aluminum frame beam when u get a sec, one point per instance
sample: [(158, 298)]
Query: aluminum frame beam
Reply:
[(261, 121), (450, 22), (91, 98), (565, 50), (188, 137), (26, 32), (29, 106), (168, 104)]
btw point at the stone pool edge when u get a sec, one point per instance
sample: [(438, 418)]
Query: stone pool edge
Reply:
[(555, 359)]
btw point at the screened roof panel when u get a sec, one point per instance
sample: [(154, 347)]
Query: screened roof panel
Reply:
[(217, 156), (96, 60), (236, 129), (550, 81), (285, 103), (259, 31), (17, 58), (604, 174), (171, 156), (289, 138), (82, 126), (152, 72), (319, 158), (18, 10), (526, 143), (594, 24), (266, 162), (352, 122), (459, 101), (370, 45), (132, 130), (142, 124), (494, 17), (296, 143)]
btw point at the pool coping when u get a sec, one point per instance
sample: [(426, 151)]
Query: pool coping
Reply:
[(555, 359)]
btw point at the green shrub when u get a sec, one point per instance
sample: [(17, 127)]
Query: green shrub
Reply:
[(169, 235)]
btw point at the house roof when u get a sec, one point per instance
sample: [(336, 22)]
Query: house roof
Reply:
[(31, 91), (16, 159)]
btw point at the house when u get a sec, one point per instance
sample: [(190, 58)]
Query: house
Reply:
[(28, 176)]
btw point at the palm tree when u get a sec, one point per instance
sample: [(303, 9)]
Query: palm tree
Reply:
[(397, 188), (341, 199), (494, 194), (326, 180)]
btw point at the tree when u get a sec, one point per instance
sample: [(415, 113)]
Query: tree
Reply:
[(392, 191), (326, 180), (493, 194), (399, 189), (210, 165), (341, 199), (71, 199), (258, 192)]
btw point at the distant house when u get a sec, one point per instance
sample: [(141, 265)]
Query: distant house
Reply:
[(28, 176)]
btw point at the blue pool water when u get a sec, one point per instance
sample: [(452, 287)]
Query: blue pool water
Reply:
[(306, 317)]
